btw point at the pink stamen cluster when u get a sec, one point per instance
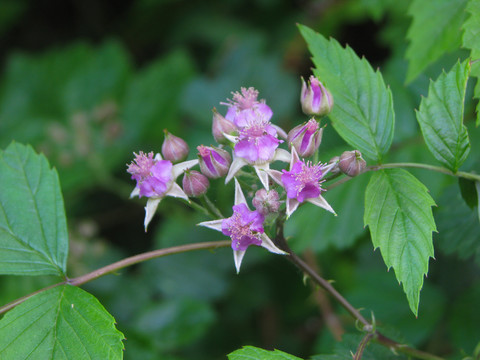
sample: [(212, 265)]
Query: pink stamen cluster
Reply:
[(141, 166), (303, 181), (244, 227)]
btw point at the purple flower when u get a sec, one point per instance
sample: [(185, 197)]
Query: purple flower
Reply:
[(305, 138), (244, 227), (156, 179), (257, 141), (303, 181), (315, 98), (244, 107)]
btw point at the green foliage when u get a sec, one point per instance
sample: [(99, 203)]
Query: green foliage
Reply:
[(471, 28), (363, 112), (441, 117), (435, 30), (398, 212), (348, 346), (254, 353), (33, 228), (61, 323)]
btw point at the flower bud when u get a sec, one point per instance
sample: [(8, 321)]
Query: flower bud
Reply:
[(174, 148), (266, 202), (214, 162), (315, 98), (194, 183), (305, 138), (351, 163), (221, 126)]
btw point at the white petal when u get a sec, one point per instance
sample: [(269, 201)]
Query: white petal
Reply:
[(232, 138), (179, 168), (282, 155), (326, 169), (239, 197), (280, 131), (176, 191), (276, 176), (158, 157), (135, 192), (321, 202), (294, 158), (262, 173), (292, 205), (237, 164), (238, 257), (268, 244), (214, 224), (150, 209)]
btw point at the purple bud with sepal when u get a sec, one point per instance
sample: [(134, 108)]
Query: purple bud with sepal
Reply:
[(266, 202), (221, 126), (315, 98), (351, 163), (174, 148), (306, 138), (194, 183), (214, 162)]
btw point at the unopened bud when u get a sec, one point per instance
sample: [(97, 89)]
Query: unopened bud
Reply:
[(195, 183), (351, 163), (315, 98), (266, 202), (174, 148), (221, 126), (306, 138), (214, 162)]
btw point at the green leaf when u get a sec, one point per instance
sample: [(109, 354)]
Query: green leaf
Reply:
[(33, 228), (61, 323), (254, 353), (441, 117), (435, 30), (398, 212), (471, 33), (363, 113), (468, 189)]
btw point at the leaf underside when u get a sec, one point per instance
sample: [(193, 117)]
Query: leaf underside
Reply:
[(398, 212)]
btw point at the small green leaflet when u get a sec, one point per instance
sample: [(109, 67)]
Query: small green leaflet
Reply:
[(441, 117), (435, 30), (398, 212), (254, 353), (33, 227), (61, 323), (363, 113), (471, 35)]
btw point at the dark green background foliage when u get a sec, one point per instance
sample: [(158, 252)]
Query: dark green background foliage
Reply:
[(87, 83)]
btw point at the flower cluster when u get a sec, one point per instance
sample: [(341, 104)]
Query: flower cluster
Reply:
[(247, 137)]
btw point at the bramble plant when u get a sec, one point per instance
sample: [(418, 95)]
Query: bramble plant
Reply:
[(272, 173)]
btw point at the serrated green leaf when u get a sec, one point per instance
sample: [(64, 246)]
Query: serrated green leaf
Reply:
[(435, 30), (471, 29), (33, 228), (254, 353), (441, 117), (363, 113), (398, 212), (61, 323)]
